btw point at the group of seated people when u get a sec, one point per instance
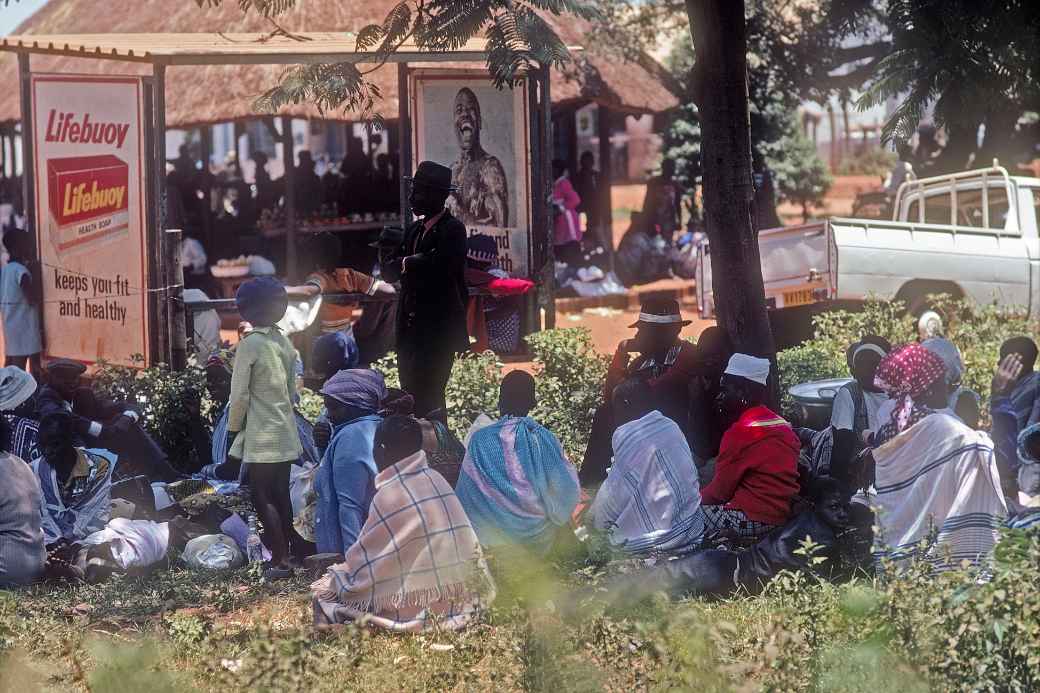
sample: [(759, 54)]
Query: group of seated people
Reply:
[(688, 471)]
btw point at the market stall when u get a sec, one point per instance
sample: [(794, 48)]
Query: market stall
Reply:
[(150, 209)]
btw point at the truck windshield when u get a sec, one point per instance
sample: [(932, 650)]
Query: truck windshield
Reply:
[(969, 208)]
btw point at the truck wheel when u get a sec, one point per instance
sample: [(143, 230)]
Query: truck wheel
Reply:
[(915, 295)]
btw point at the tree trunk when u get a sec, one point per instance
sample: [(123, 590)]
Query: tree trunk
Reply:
[(721, 91)]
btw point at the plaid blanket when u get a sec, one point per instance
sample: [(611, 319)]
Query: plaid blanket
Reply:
[(937, 484), (416, 564)]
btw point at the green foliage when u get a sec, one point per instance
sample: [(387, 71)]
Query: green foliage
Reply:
[(977, 330), (518, 40), (167, 401), (569, 385), (311, 405), (966, 61), (682, 144), (128, 669), (800, 175), (472, 390)]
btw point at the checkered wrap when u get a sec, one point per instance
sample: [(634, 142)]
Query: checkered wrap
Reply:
[(718, 519), (416, 563)]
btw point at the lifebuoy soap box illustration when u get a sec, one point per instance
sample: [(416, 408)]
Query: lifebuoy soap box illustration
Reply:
[(87, 198), (88, 173)]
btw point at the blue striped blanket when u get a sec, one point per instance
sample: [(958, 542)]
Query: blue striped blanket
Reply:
[(938, 495)]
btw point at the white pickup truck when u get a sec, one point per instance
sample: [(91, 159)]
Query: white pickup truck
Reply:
[(974, 234)]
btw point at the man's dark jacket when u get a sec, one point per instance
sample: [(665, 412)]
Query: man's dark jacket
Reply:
[(431, 312)]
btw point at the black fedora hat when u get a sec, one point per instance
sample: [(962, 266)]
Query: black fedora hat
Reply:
[(433, 175), (390, 237), (660, 311)]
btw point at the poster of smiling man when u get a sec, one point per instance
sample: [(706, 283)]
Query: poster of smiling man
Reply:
[(481, 133)]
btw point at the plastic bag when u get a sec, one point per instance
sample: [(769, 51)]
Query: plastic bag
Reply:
[(213, 552)]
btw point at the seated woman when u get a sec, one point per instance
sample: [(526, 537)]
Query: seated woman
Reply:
[(345, 480), (756, 474), (416, 564), (76, 483), (931, 471), (856, 404), (20, 432), (650, 502), (962, 401), (22, 552), (516, 485), (213, 449)]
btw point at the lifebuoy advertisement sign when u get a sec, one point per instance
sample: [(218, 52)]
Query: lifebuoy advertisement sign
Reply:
[(87, 134)]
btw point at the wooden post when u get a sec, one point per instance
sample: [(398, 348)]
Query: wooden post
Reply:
[(544, 191), (159, 277), (28, 158), (289, 157), (175, 299), (606, 219), (404, 129)]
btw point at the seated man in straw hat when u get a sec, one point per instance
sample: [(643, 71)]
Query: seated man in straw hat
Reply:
[(665, 361)]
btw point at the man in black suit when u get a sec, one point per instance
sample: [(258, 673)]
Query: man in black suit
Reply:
[(430, 262)]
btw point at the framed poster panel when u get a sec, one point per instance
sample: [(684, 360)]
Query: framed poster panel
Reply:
[(483, 134), (88, 163)]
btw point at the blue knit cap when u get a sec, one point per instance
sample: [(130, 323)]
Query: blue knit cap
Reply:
[(262, 301)]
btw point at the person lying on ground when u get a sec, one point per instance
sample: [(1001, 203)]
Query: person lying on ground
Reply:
[(723, 573), (417, 563), (261, 417), (20, 433), (102, 423), (756, 474), (665, 361), (516, 484), (962, 402), (75, 483), (1014, 405), (932, 473), (650, 503), (345, 480), (856, 404), (23, 554), (212, 446)]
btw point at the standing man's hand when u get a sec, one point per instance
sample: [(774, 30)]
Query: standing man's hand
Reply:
[(1007, 374)]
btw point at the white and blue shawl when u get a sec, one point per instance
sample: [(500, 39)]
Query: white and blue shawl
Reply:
[(650, 502), (938, 495)]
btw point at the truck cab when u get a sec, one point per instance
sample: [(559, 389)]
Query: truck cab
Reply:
[(972, 234)]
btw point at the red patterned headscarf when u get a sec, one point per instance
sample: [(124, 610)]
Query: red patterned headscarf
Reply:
[(906, 374)]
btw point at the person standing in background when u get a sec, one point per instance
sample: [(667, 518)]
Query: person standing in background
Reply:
[(430, 262), (19, 302), (567, 226), (586, 184)]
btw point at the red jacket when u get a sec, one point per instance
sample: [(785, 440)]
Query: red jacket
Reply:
[(756, 471)]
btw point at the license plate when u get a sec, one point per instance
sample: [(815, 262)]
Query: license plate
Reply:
[(798, 298)]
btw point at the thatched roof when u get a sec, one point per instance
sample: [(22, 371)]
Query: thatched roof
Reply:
[(209, 94)]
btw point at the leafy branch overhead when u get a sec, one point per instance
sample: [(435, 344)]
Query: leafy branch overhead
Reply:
[(518, 39)]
